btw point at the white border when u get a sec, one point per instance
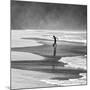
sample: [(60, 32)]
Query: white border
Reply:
[(83, 2), (5, 44)]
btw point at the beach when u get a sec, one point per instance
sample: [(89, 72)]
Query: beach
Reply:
[(33, 64)]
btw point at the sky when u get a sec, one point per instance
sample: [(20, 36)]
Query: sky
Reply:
[(48, 16)]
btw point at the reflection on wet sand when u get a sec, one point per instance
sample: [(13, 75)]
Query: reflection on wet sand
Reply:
[(54, 54)]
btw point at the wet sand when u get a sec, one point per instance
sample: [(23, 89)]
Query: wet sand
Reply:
[(46, 50), (37, 74), (33, 73)]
